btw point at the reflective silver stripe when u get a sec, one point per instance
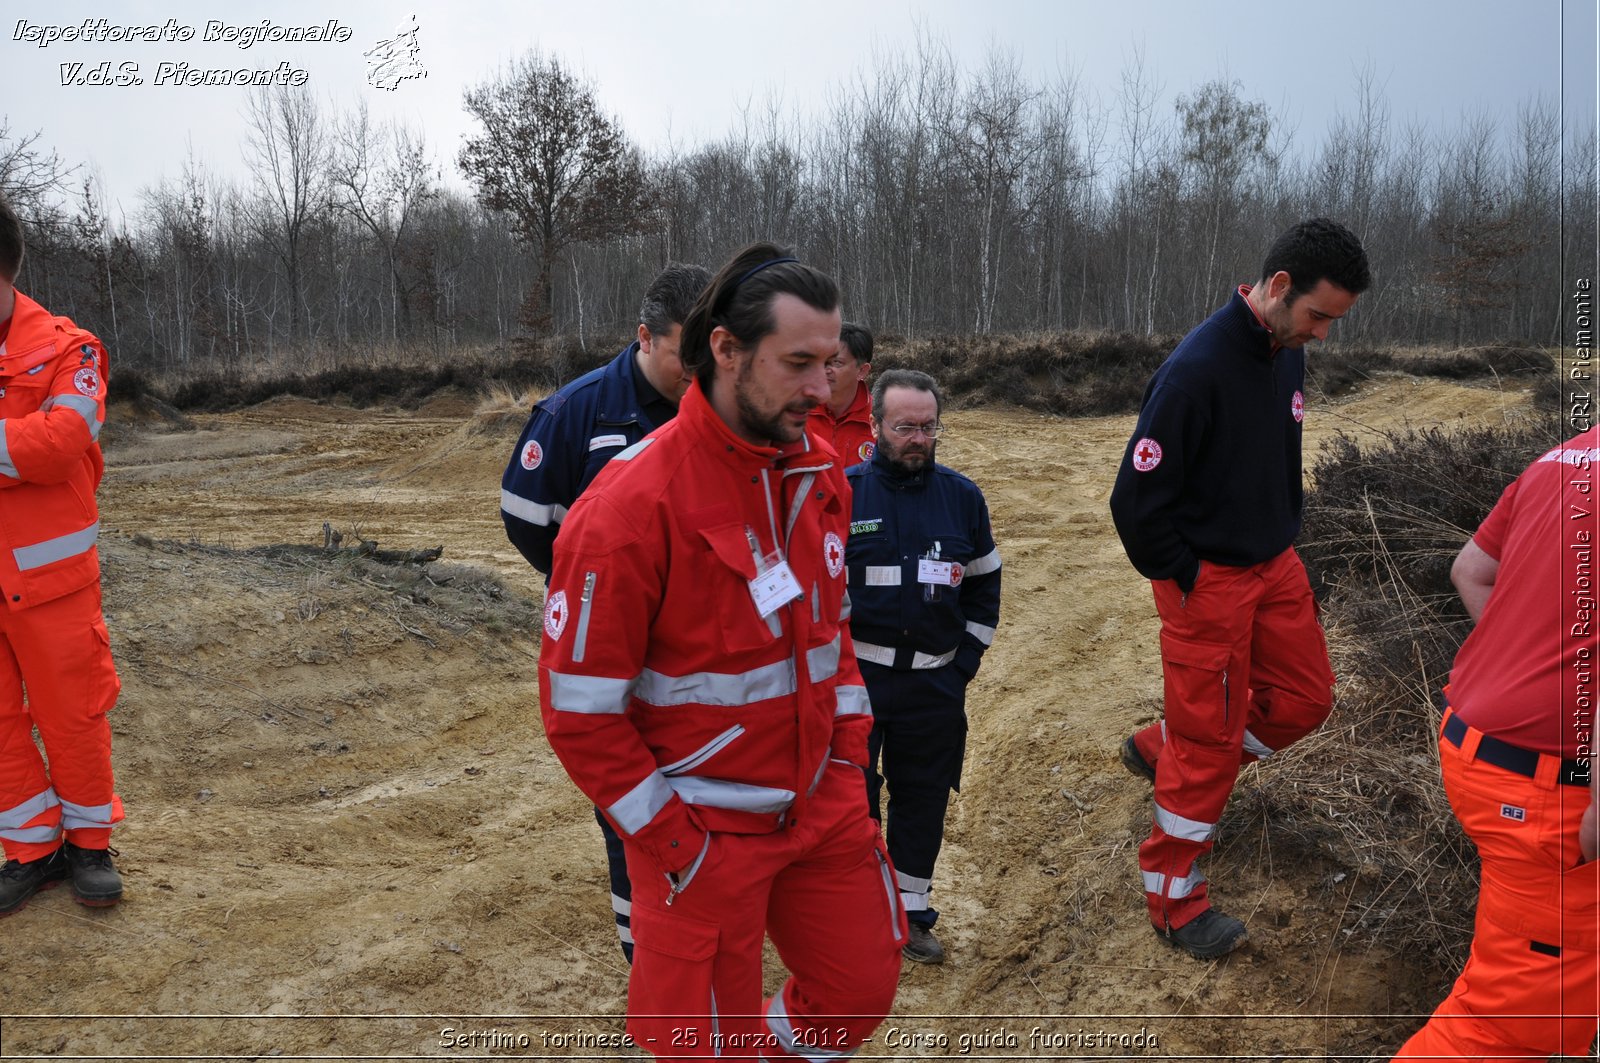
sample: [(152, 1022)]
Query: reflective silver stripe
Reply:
[(74, 817), (912, 884), (822, 662), (852, 701), (1254, 745), (704, 753), (723, 793), (543, 514), (85, 407), (635, 809), (844, 608), (1190, 830), (625, 933), (884, 655), (590, 694), (601, 442), (621, 905), (983, 634), (18, 814), (58, 549), (635, 450), (785, 1038), (881, 576), (6, 468), (1155, 882), (32, 834), (989, 562), (733, 690)]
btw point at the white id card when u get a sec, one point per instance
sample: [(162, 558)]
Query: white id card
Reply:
[(774, 589), (935, 572)]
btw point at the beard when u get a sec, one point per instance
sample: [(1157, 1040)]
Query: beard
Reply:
[(762, 424), (909, 457)]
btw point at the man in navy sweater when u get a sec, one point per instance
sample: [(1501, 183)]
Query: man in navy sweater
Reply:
[(569, 437), (1207, 503)]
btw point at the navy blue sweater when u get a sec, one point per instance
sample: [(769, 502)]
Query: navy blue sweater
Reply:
[(1212, 471)]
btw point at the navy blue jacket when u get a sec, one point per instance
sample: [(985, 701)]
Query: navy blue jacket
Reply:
[(569, 437), (1212, 471), (895, 520)]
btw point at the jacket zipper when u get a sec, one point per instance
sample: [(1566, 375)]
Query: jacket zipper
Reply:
[(581, 640)]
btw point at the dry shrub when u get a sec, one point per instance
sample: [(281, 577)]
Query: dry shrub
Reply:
[(1362, 794), (502, 407)]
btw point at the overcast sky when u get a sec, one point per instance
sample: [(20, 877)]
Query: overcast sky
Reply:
[(680, 73)]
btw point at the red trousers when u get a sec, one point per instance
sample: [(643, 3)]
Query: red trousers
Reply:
[(56, 674), (823, 889), (1245, 670), (1531, 987)]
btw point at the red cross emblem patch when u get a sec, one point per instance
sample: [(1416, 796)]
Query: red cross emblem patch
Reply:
[(1297, 407), (532, 455), (1146, 454), (555, 614), (833, 554), (956, 572)]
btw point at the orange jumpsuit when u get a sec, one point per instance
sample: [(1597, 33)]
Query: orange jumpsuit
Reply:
[(56, 672)]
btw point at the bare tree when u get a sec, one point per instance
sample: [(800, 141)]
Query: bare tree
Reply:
[(286, 146), (564, 172)]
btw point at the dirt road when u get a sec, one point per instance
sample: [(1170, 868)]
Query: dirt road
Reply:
[(346, 836)]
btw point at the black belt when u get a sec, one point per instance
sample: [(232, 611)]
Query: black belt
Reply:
[(1524, 762)]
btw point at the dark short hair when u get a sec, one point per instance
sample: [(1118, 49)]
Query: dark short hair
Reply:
[(904, 378), (857, 340), (11, 243), (671, 296), (1318, 250), (740, 300)]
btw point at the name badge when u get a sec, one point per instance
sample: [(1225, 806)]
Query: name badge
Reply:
[(937, 573), (774, 589)]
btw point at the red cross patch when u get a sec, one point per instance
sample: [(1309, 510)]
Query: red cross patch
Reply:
[(555, 614), (87, 381), (532, 455), (1146, 454), (1297, 406), (833, 554), (956, 572)]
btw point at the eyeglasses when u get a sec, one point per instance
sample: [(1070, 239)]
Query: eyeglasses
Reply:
[(906, 431)]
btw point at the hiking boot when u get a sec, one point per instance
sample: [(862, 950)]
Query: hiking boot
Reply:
[(1134, 761), (95, 882), (19, 880), (923, 946), (1207, 936)]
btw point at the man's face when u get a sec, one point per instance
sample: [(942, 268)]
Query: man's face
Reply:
[(844, 373), (1308, 317), (776, 386), (658, 357), (906, 452)]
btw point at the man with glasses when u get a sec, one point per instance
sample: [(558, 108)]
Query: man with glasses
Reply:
[(844, 419), (925, 600), (1207, 503)]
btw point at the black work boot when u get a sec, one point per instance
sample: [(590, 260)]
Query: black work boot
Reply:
[(1134, 761), (1208, 935), (94, 881), (922, 946), (19, 880)]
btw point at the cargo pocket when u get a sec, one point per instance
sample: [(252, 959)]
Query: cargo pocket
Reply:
[(1195, 681), (102, 671), (672, 1010)]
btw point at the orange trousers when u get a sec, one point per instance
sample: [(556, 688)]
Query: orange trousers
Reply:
[(1246, 673), (823, 889), (1531, 987), (56, 675)]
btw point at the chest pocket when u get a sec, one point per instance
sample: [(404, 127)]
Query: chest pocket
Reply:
[(21, 391), (729, 567)]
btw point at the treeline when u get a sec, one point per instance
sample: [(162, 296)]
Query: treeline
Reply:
[(947, 201)]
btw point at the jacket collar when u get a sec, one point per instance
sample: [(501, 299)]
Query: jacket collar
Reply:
[(619, 400), (32, 326), (1241, 321), (894, 477), (726, 446)]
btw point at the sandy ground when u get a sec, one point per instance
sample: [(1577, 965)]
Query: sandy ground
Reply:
[(347, 838)]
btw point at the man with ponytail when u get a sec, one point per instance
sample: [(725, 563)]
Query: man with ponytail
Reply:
[(698, 682)]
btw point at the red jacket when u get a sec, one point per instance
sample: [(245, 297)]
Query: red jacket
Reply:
[(851, 434), (669, 700), (52, 404)]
